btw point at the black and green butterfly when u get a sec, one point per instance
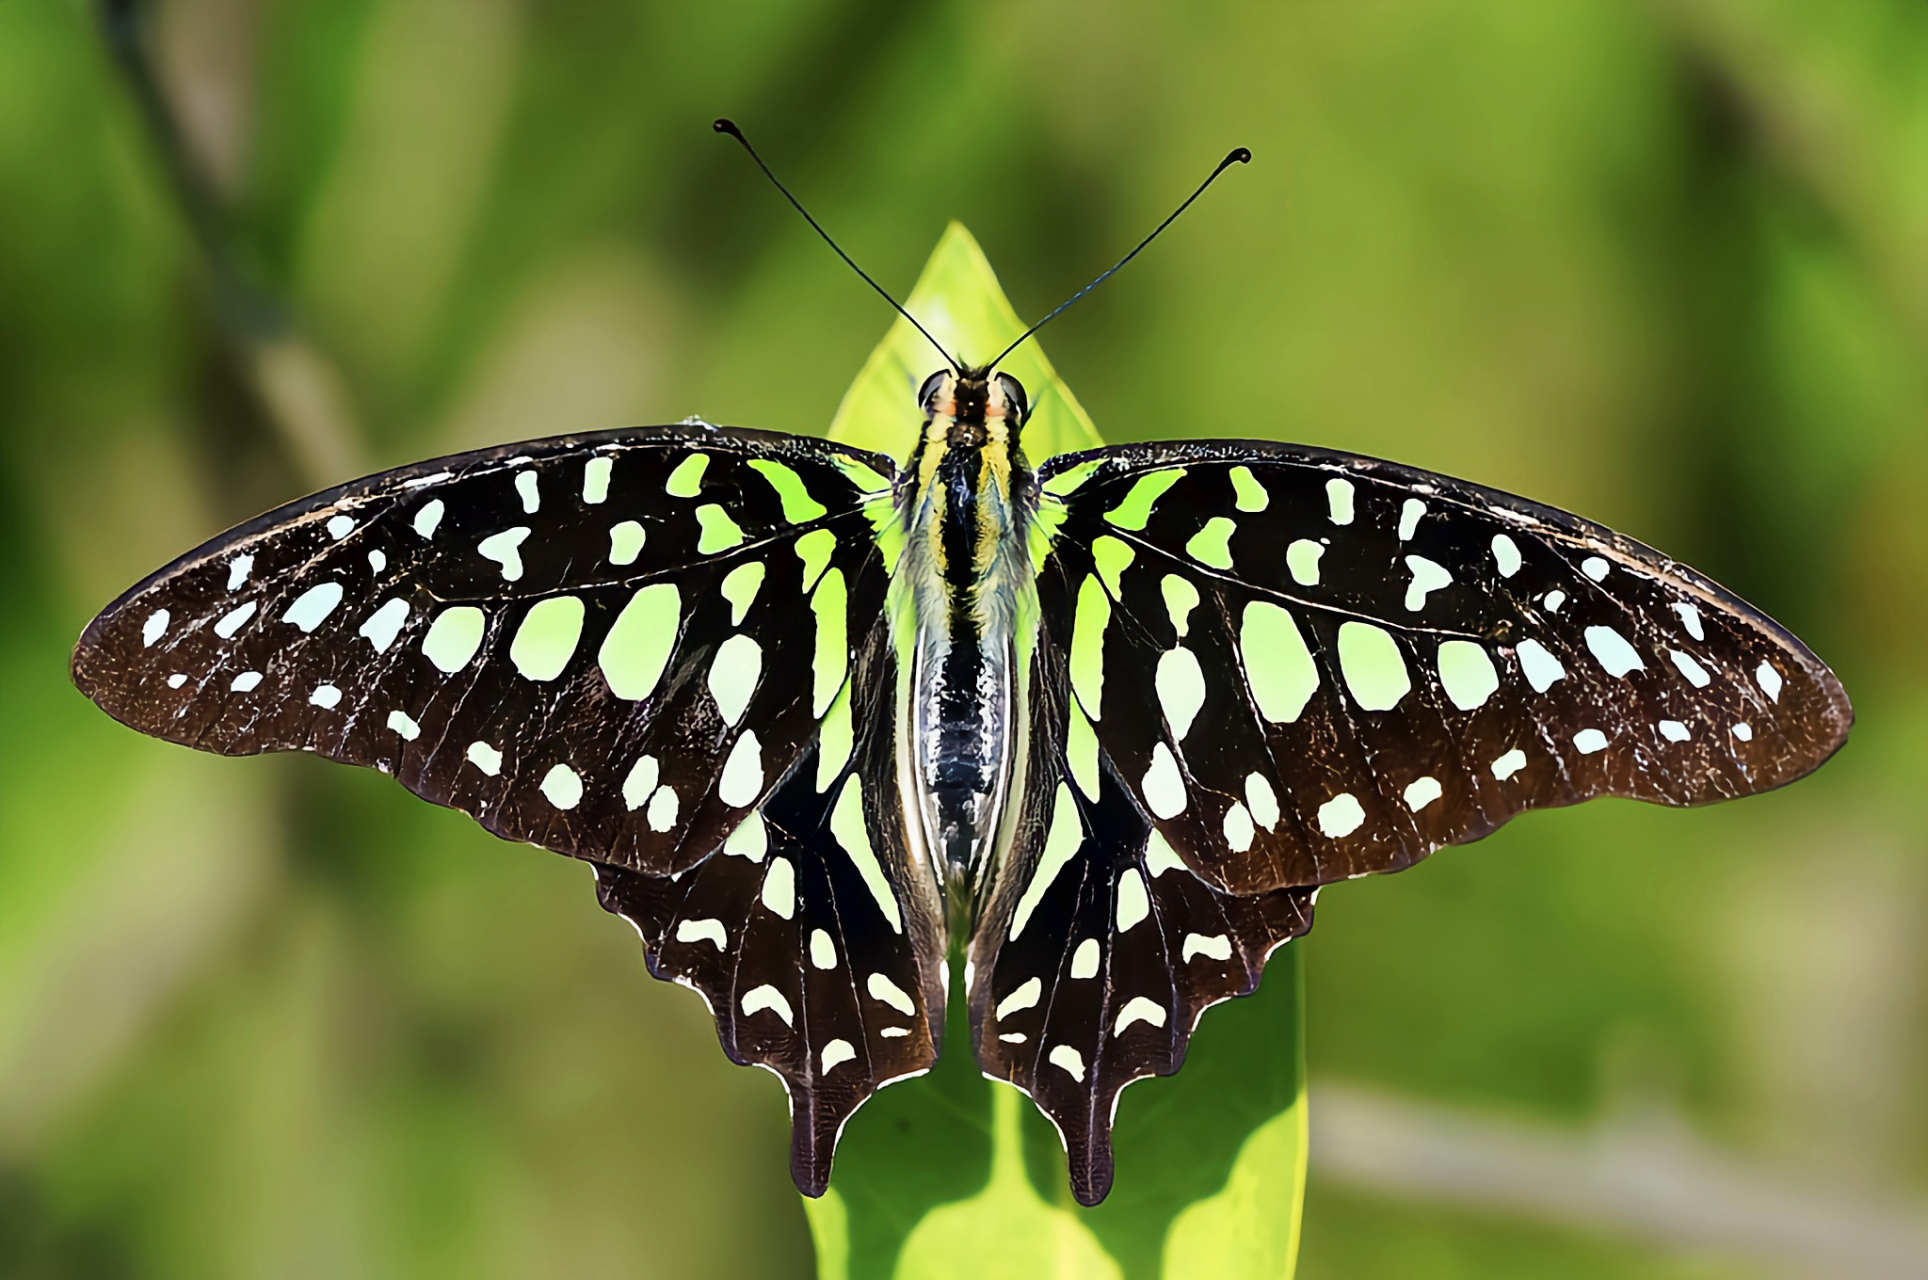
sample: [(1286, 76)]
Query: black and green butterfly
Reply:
[(1104, 723)]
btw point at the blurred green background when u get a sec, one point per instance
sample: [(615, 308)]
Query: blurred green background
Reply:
[(1664, 264)]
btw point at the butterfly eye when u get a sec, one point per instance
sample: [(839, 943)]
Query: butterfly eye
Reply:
[(1013, 390), (927, 394)]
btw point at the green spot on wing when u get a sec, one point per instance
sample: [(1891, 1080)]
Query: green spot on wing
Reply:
[(829, 602), (814, 550), (688, 476), (1088, 645), (848, 826), (1213, 544), (719, 532), (638, 645), (798, 506), (1251, 494), (1278, 667), (1135, 510), (1112, 556)]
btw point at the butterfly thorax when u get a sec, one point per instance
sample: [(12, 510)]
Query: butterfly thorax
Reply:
[(965, 571)]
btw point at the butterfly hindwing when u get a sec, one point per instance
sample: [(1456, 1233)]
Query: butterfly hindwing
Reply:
[(1096, 949), (1309, 666), (610, 646), (816, 946)]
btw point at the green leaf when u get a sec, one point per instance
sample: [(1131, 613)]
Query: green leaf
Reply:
[(955, 1175)]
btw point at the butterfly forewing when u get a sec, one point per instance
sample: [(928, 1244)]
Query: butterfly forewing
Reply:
[(807, 934), (1309, 666), (1096, 949), (610, 646)]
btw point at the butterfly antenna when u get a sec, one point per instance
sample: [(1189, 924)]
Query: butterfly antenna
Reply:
[(729, 127), (1238, 155)]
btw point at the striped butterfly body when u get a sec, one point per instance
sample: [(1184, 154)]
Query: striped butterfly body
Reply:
[(1104, 726)]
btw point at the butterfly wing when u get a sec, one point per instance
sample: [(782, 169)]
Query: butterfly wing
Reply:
[(611, 646), (812, 938), (632, 648), (1262, 668), (1096, 949), (1309, 666)]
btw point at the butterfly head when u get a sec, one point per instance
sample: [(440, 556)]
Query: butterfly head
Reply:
[(969, 408)]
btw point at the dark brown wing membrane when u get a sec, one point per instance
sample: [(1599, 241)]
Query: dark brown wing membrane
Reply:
[(1309, 666), (611, 646)]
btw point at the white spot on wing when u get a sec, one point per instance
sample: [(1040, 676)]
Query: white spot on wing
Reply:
[(625, 542), (1612, 651), (1181, 689), (1302, 560), (1594, 567), (883, 989), (1509, 764), (733, 675), (1506, 555), (526, 486), (1339, 500), (231, 622), (640, 783), (1770, 681), (1084, 961), (340, 527), (1262, 800), (154, 628), (1069, 1059), (246, 682), (238, 570), (1467, 674), (1024, 997), (1539, 667), (768, 997), (595, 479), (835, 1054), (710, 931), (176, 680), (780, 888), (1138, 1009), (1163, 786), (1374, 669), (1410, 512), (1588, 741), (428, 518), (312, 607), (1674, 731), (484, 757), (1239, 830), (1215, 947), (382, 626), (1341, 816), (662, 809), (1421, 792), (325, 696), (404, 724), (742, 780), (1695, 673), (1690, 619), (1428, 576), (505, 549), (1744, 731), (823, 952), (1134, 904)]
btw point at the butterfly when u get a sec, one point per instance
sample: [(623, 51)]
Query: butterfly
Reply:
[(1103, 723)]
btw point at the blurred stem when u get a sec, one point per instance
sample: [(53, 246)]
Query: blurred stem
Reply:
[(300, 393)]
